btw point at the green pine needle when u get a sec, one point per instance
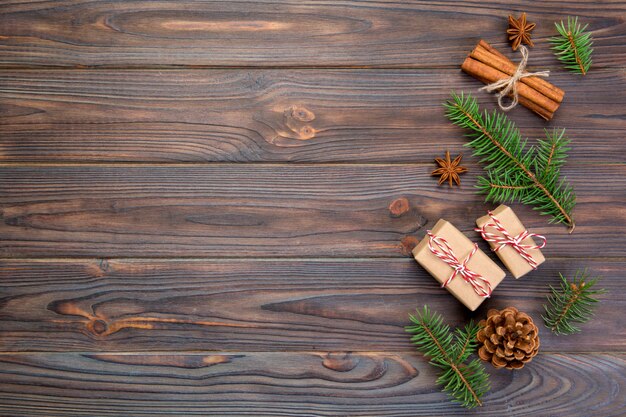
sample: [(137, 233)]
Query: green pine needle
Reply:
[(514, 172), (573, 46), (573, 302), (465, 382)]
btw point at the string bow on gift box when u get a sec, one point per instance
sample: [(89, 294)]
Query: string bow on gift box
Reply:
[(504, 238), (444, 252)]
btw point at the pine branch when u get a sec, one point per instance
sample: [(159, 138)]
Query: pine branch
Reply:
[(573, 46), (465, 383), (573, 302), (515, 172)]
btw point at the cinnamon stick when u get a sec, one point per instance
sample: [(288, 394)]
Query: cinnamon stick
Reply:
[(527, 96), (489, 55), (545, 114), (491, 49)]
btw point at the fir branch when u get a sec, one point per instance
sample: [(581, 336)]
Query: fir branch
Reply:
[(573, 302), (573, 46), (552, 152), (465, 383), (515, 173), (465, 341)]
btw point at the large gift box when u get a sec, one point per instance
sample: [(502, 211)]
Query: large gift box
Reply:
[(510, 240), (458, 264)]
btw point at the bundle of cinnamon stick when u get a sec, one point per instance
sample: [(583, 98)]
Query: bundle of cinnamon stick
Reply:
[(488, 65)]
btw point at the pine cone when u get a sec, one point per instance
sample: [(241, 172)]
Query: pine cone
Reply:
[(508, 338)]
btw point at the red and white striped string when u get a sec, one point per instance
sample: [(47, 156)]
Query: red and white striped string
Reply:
[(444, 252), (504, 238)]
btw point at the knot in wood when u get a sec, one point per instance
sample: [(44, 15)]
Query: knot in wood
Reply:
[(296, 119), (99, 327), (307, 132), (104, 265), (302, 114), (398, 207), (340, 362), (408, 243)]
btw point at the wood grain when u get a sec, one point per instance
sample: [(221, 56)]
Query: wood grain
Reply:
[(285, 32), (269, 210), (264, 305), (279, 116), (296, 384), (206, 207)]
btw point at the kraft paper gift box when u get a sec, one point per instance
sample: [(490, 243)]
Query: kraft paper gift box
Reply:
[(519, 264), (461, 247)]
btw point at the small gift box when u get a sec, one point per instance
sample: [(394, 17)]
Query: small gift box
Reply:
[(510, 240), (457, 263)]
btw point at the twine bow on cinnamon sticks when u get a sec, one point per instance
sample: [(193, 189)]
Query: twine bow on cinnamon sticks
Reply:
[(508, 86), (488, 65)]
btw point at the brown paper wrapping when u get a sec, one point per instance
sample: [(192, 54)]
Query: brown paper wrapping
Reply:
[(508, 255), (480, 263)]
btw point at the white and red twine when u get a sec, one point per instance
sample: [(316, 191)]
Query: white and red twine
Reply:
[(444, 252), (504, 238)]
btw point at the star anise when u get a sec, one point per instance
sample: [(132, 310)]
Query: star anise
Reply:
[(449, 170), (519, 31)]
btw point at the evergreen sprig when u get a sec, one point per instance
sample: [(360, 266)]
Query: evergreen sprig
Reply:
[(465, 382), (573, 46), (514, 172), (572, 302)]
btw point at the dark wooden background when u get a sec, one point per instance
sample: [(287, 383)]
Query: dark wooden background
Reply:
[(195, 207)]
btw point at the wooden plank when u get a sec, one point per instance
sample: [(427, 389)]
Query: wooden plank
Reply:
[(356, 305), (270, 210), (285, 32), (279, 116), (296, 384)]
